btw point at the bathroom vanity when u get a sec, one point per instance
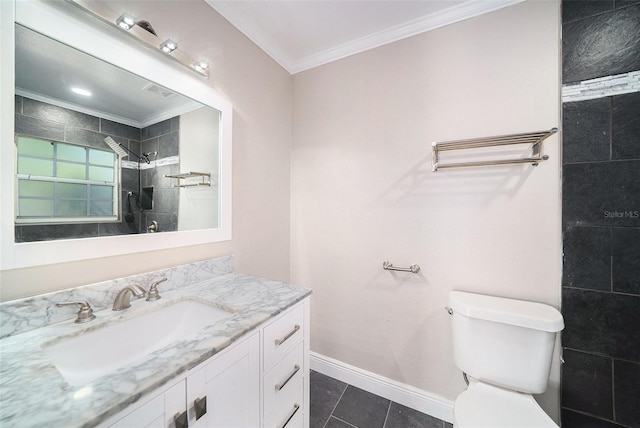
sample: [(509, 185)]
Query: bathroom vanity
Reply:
[(225, 390), (248, 367), (218, 349)]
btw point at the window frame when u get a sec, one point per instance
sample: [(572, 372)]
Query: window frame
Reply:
[(62, 220)]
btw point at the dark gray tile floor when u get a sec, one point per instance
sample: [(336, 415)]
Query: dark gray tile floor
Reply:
[(335, 404)]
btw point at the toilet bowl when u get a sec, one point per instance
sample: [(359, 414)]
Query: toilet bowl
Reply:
[(483, 406), (505, 346)]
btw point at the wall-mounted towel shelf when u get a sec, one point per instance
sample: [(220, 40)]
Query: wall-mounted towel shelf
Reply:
[(535, 139), (205, 176)]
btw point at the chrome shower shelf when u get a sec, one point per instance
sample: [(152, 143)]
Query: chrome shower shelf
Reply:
[(533, 138), (203, 175)]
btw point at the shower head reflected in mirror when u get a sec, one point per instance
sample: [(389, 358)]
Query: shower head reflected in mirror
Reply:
[(122, 151), (116, 147), (145, 156)]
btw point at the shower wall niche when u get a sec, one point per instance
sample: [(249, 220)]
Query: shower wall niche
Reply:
[(44, 120)]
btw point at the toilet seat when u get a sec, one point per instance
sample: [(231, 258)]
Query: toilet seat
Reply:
[(488, 406)]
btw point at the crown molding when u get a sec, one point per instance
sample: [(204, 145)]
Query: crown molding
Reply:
[(242, 23), (461, 12)]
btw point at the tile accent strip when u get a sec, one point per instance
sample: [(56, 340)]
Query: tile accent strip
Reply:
[(169, 160), (601, 87)]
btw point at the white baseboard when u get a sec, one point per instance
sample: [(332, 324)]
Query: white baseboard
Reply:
[(401, 393)]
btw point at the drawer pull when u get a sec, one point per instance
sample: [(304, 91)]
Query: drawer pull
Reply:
[(200, 406), (279, 386), (181, 420), (296, 406), (291, 333)]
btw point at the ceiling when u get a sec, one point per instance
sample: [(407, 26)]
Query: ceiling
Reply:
[(303, 34), (47, 70), (298, 34)]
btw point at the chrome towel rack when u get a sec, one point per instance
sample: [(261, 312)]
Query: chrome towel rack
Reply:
[(388, 266), (184, 176), (533, 138)]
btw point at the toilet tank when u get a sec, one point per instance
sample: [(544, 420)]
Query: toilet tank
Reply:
[(504, 342)]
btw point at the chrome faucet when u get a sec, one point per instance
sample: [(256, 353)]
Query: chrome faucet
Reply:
[(123, 299)]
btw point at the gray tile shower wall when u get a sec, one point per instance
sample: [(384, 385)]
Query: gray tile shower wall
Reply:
[(599, 38), (163, 138), (587, 369), (625, 382), (603, 323), (40, 119), (601, 220)]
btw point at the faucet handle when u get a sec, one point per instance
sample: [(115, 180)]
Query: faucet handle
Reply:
[(85, 313), (153, 290)]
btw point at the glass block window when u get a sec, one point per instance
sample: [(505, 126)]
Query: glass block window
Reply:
[(62, 183)]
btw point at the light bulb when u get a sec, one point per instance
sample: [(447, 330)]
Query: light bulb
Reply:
[(169, 46), (126, 21)]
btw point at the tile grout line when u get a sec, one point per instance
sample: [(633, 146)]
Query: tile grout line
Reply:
[(334, 407), (386, 417), (443, 424), (351, 425), (613, 390)]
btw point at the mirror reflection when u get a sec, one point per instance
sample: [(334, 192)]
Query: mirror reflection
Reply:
[(101, 151)]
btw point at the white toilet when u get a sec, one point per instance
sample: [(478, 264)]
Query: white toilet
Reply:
[(505, 347)]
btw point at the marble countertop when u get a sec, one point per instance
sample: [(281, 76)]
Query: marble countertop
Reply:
[(34, 394)]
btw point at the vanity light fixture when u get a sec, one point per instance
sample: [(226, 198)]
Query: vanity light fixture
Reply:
[(126, 21), (142, 31), (202, 67), (168, 46)]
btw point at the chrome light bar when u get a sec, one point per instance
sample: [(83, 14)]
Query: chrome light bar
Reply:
[(127, 23)]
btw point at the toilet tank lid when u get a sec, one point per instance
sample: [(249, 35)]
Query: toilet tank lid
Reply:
[(521, 313)]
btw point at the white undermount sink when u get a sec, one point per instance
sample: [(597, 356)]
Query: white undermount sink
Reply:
[(96, 353)]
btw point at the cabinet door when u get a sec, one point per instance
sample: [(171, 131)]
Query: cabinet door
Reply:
[(150, 415), (231, 386), (175, 406), (159, 412)]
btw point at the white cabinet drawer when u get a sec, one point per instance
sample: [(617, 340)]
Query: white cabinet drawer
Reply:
[(283, 378), (282, 335), (296, 421), (289, 411)]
